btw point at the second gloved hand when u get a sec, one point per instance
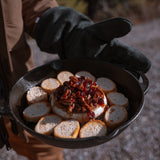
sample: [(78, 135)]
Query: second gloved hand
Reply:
[(73, 35)]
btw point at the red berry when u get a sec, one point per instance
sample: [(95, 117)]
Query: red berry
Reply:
[(91, 115)]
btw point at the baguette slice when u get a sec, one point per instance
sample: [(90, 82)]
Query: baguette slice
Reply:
[(86, 74), (49, 85), (106, 84), (67, 129), (64, 76), (81, 117), (115, 116), (36, 94), (35, 111), (93, 128), (117, 98), (47, 123)]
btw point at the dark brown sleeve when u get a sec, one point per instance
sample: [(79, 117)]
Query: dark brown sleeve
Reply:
[(32, 9)]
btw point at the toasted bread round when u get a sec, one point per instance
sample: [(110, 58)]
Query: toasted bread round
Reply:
[(86, 74), (36, 94), (81, 117), (64, 76), (115, 116), (106, 84), (93, 128), (49, 85), (47, 123), (117, 98), (35, 111), (67, 129)]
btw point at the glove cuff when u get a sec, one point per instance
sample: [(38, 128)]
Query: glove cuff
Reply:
[(34, 9)]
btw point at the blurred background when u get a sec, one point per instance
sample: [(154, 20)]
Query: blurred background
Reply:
[(136, 10), (141, 140)]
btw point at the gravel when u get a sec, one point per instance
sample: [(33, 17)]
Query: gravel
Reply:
[(141, 140)]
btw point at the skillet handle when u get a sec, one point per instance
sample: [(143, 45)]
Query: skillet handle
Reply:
[(145, 82)]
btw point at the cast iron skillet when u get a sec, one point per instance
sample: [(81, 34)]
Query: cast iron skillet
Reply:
[(125, 81)]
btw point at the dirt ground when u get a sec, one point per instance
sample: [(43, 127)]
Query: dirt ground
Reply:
[(141, 140)]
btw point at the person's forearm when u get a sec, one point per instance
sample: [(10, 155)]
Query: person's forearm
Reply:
[(32, 10)]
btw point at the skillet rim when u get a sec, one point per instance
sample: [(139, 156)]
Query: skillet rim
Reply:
[(108, 137)]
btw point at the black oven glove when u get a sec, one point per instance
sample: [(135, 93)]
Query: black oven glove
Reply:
[(73, 35)]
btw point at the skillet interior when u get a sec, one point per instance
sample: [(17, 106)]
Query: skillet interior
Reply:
[(126, 83)]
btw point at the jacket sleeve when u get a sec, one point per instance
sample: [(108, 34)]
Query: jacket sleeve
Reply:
[(32, 10)]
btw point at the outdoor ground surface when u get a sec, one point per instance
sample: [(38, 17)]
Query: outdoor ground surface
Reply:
[(141, 140)]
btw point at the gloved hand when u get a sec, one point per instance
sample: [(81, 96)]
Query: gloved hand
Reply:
[(73, 35)]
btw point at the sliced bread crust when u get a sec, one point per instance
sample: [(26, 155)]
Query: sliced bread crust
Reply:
[(64, 76), (93, 128), (86, 74), (35, 111), (115, 116), (106, 84), (117, 98), (36, 94), (67, 129), (49, 85), (47, 123)]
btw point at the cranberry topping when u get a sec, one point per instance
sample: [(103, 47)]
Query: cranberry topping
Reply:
[(91, 115), (80, 95)]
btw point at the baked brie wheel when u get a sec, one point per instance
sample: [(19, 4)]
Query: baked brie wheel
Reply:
[(81, 117), (79, 99)]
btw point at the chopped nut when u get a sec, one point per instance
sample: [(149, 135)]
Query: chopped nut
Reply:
[(80, 95)]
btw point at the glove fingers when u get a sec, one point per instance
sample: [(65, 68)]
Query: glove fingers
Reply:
[(125, 56), (110, 29), (56, 24), (134, 59)]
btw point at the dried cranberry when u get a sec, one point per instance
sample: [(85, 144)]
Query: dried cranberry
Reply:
[(73, 100), (91, 115), (100, 101), (83, 94), (92, 92), (94, 104), (82, 78), (86, 87), (78, 93), (94, 83), (87, 101)]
